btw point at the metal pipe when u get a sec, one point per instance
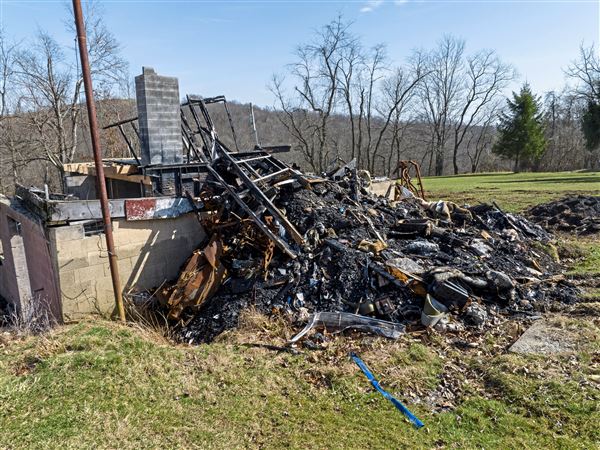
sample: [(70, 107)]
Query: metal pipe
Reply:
[(101, 182), (120, 122)]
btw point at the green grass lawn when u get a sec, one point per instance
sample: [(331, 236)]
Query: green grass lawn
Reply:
[(512, 191), (104, 385), (101, 385)]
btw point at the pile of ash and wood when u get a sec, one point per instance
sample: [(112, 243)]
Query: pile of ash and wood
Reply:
[(325, 251), (362, 260), (579, 214)]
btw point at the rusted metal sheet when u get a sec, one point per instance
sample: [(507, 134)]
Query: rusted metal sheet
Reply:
[(156, 208), (140, 209), (199, 280)]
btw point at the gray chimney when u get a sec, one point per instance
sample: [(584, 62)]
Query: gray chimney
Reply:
[(159, 118)]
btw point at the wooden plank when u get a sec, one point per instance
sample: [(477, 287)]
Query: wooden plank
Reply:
[(124, 172), (283, 148)]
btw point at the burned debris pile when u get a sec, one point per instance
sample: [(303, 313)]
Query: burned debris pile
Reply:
[(579, 214), (326, 252), (300, 245)]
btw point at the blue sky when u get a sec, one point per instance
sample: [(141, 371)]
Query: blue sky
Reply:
[(233, 47)]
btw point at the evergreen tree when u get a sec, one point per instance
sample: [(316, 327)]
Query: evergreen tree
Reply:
[(521, 130), (590, 124)]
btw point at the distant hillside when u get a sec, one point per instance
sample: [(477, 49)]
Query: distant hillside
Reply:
[(271, 131), (33, 168)]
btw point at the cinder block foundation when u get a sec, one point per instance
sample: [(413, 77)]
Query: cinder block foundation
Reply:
[(149, 252)]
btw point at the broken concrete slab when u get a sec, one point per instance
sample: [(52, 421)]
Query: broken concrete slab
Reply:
[(545, 338)]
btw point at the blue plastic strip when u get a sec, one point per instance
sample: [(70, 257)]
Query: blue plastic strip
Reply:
[(403, 409)]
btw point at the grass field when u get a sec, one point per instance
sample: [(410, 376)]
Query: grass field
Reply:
[(104, 385), (512, 191)]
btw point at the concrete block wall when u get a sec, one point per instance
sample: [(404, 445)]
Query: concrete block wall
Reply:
[(159, 118), (149, 253), (12, 285)]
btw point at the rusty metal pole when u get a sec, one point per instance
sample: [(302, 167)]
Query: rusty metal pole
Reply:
[(91, 108)]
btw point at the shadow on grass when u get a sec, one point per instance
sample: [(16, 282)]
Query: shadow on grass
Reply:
[(469, 175), (594, 179)]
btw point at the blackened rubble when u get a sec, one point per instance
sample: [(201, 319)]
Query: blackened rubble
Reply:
[(579, 214), (481, 262), (293, 244)]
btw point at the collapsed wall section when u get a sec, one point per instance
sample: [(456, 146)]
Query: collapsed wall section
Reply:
[(28, 278)]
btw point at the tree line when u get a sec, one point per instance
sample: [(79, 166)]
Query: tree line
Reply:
[(445, 102), (338, 100)]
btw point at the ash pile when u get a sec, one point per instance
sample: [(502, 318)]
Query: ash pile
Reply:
[(579, 214), (299, 246)]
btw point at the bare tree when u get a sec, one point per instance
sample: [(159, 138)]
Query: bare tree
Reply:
[(52, 109), (481, 138), (317, 73), (9, 145), (354, 61), (376, 99), (585, 71), (372, 73), (398, 131), (51, 86), (7, 72), (338, 81), (398, 93), (566, 143), (485, 77), (440, 93)]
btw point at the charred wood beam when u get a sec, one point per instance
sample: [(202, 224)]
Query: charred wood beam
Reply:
[(120, 126), (285, 148), (262, 198), (259, 223), (119, 123)]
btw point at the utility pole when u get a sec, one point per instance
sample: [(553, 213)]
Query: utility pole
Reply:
[(254, 125), (101, 182)]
